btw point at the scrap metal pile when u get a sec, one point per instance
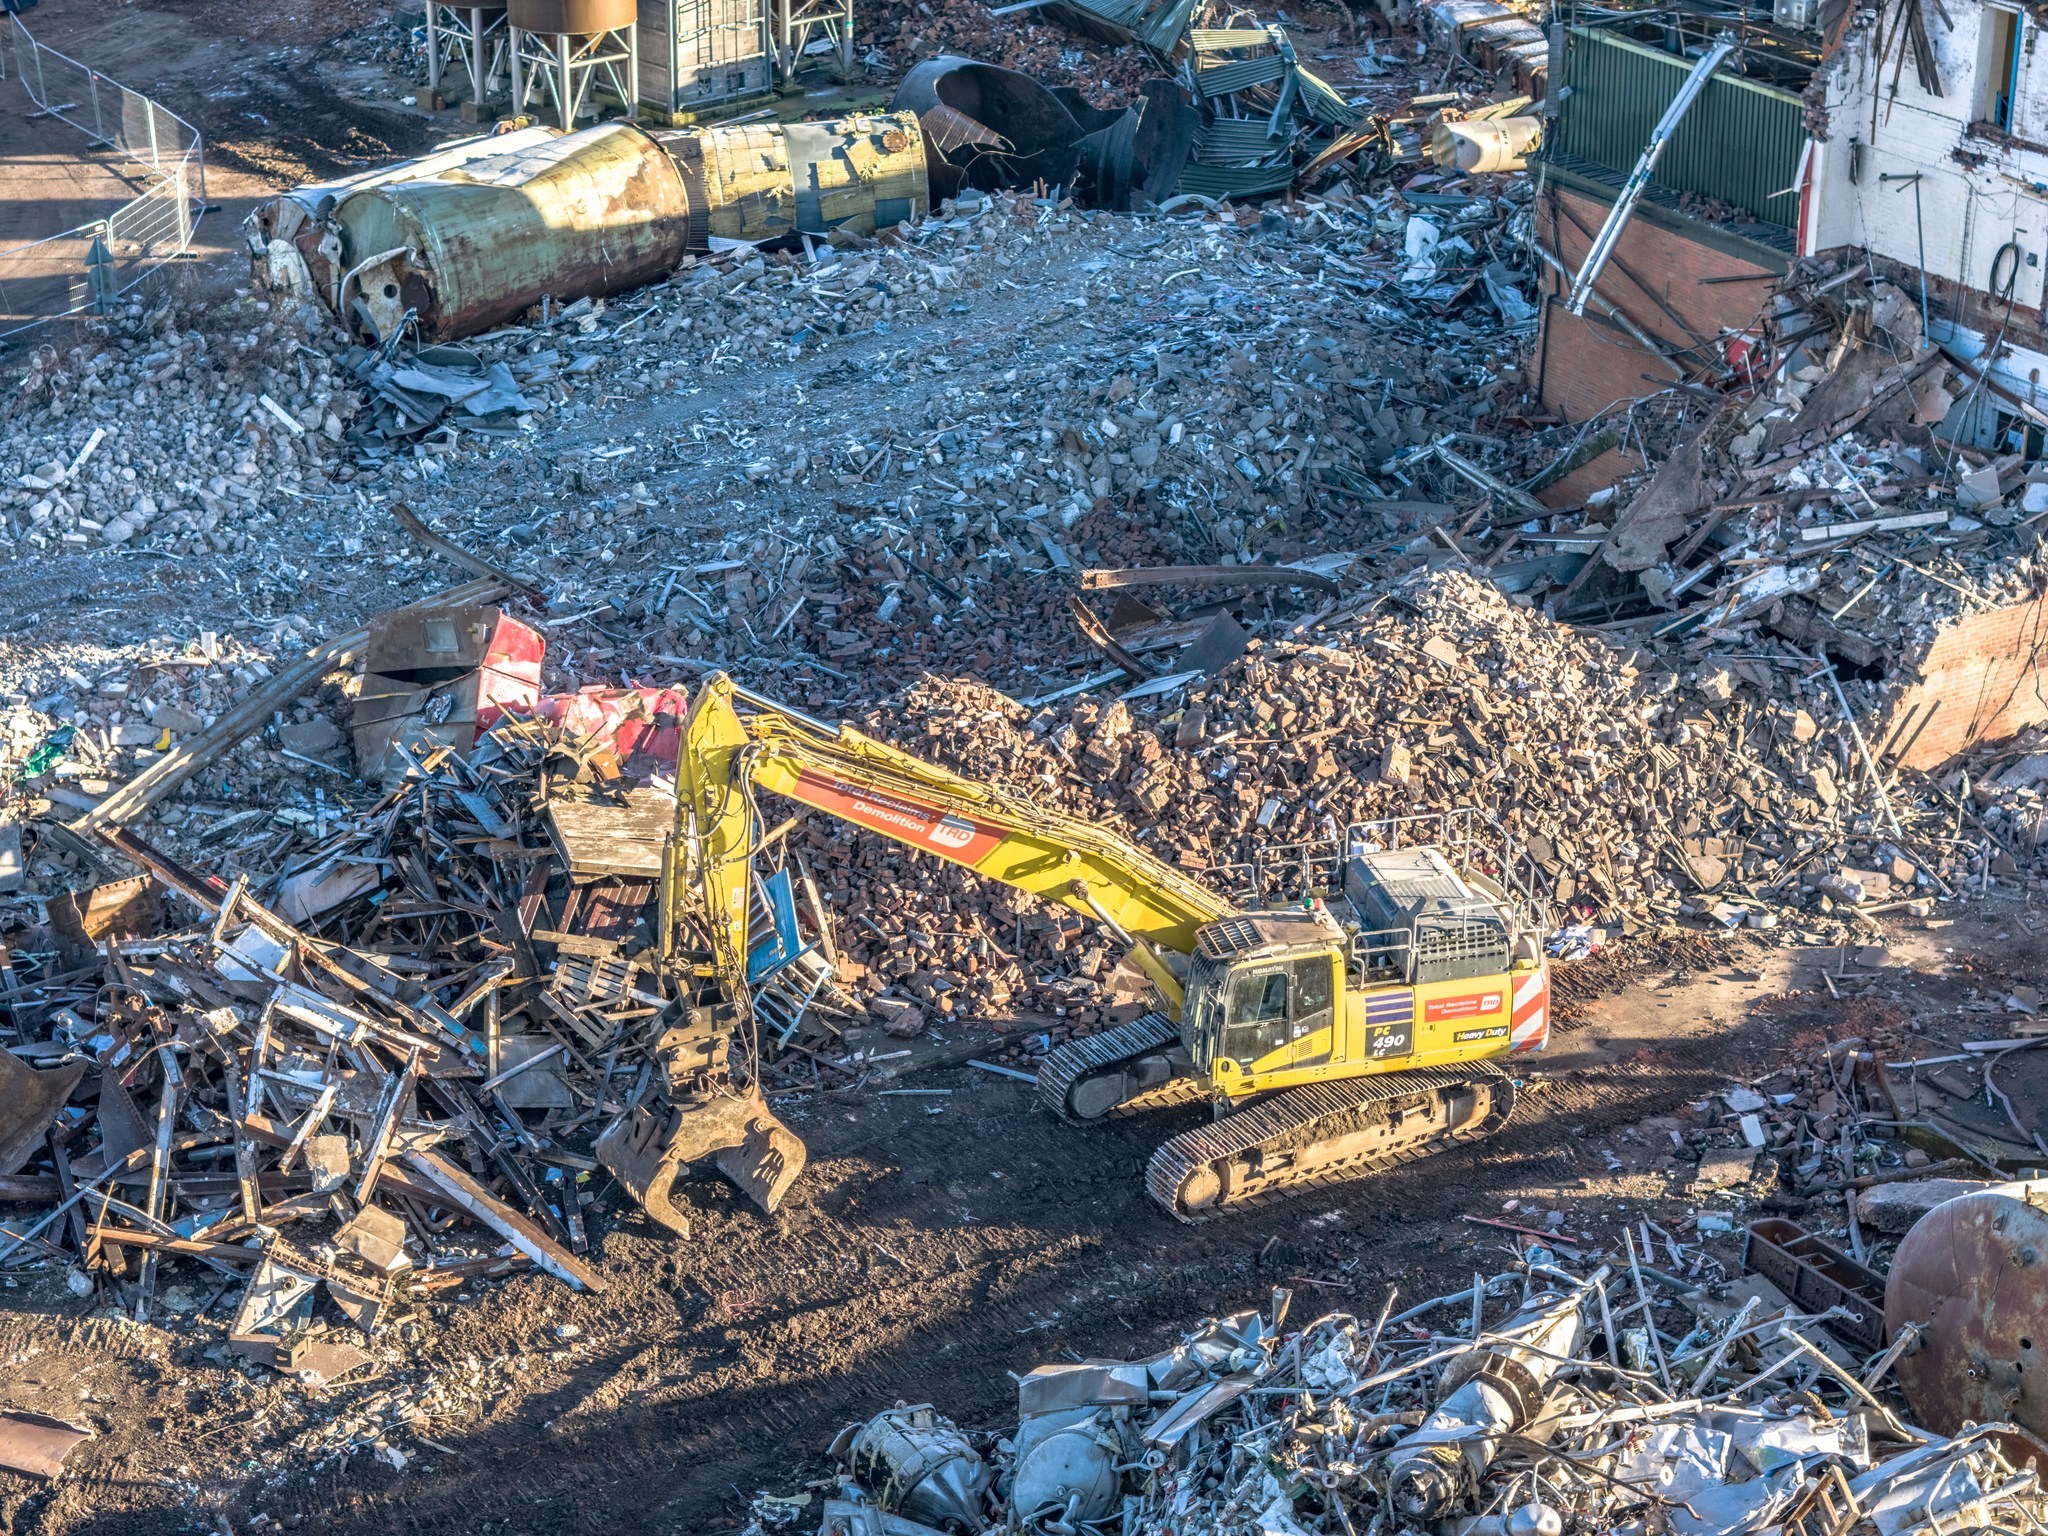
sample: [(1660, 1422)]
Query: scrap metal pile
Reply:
[(378, 1070), (1537, 1402), (1242, 118)]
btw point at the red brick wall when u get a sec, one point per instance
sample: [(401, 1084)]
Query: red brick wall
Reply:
[(1587, 364), (1983, 679), (1602, 470)]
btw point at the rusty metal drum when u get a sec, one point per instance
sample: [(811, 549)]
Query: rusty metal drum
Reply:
[(1974, 1273)]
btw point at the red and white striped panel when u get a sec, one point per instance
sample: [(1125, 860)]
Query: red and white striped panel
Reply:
[(1530, 1026)]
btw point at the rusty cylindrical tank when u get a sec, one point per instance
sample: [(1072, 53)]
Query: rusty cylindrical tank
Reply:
[(571, 16), (299, 214), (766, 181), (1974, 1271), (583, 215)]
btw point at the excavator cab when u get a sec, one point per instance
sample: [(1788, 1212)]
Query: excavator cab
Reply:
[(1263, 995), (1410, 957)]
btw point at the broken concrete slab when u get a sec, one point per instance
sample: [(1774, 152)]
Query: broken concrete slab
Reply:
[(1894, 1208), (1724, 1168)]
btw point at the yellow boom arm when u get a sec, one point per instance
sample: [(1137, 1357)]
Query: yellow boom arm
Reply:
[(838, 770)]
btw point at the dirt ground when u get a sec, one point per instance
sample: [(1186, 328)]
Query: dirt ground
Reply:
[(941, 1238), (55, 183)]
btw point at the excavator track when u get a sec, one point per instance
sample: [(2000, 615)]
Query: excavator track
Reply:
[(1321, 1133), (1079, 1065)]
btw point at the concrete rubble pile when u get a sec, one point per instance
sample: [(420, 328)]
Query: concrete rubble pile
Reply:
[(1213, 342), (1198, 428), (1616, 1399), (173, 434), (183, 433), (1206, 415)]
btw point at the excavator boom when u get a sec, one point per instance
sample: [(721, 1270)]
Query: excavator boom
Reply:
[(844, 773), (696, 1111)]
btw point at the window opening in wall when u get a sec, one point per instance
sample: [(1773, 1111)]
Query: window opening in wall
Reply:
[(2018, 434), (1998, 74)]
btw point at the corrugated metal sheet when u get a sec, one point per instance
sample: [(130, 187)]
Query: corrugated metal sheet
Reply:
[(1239, 75), (1235, 181), (1158, 24), (1740, 143), (1241, 142), (1323, 102)]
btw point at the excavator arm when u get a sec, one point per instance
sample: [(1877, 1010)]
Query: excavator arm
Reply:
[(1349, 1116), (838, 770)]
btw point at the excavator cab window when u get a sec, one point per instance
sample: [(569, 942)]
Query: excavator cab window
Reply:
[(1271, 1006)]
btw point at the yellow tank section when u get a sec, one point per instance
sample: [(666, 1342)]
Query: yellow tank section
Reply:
[(765, 181)]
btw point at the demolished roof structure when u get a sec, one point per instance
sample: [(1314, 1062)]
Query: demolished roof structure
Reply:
[(1826, 504), (1830, 128)]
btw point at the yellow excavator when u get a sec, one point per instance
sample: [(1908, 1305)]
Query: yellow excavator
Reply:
[(1350, 1031)]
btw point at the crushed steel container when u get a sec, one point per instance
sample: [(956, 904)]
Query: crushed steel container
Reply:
[(580, 216)]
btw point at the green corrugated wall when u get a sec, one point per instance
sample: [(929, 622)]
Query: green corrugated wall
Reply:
[(1740, 143)]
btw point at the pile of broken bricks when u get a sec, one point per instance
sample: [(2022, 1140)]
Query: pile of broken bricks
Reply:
[(1646, 788)]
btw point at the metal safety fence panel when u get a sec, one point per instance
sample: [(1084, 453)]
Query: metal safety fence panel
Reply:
[(156, 169)]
